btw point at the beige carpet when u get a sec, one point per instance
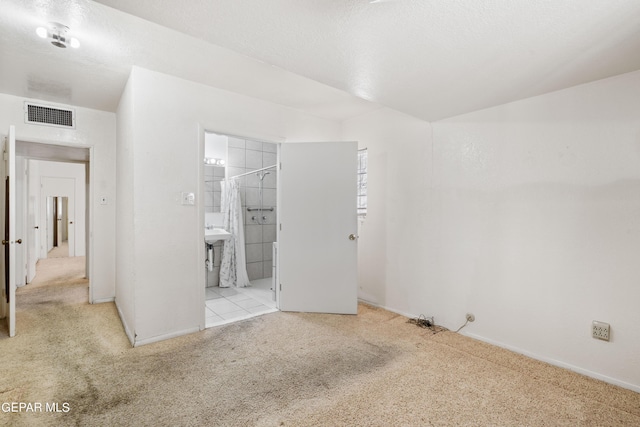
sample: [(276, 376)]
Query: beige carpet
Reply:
[(61, 251), (281, 369)]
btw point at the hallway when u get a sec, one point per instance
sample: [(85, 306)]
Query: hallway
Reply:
[(54, 273)]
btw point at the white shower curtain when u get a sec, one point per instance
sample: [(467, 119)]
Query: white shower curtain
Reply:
[(233, 267)]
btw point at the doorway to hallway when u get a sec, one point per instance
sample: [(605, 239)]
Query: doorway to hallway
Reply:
[(45, 177)]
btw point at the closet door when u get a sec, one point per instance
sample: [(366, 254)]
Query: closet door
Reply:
[(317, 240)]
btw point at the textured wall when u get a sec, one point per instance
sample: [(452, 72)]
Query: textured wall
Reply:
[(526, 215)]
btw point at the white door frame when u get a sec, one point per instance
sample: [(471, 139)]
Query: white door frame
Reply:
[(234, 133), (89, 189)]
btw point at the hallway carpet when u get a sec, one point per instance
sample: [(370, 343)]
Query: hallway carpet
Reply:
[(280, 369)]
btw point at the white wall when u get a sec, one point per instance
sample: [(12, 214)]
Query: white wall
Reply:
[(96, 129), (125, 263), (165, 135), (532, 223), (396, 245)]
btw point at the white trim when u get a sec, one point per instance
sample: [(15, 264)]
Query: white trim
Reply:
[(103, 300), (535, 356), (558, 363), (89, 221), (204, 128), (166, 336), (393, 310), (200, 186), (88, 200)]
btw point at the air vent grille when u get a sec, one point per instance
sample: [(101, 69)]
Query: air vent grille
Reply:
[(46, 115)]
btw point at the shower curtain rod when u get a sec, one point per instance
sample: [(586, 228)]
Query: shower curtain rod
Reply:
[(249, 173)]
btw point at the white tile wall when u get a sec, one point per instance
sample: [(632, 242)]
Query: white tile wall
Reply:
[(244, 156), (254, 270), (236, 157), (269, 159), (253, 233), (268, 197), (270, 180), (254, 252), (213, 176), (269, 233), (252, 198), (236, 142), (270, 147), (253, 159), (254, 145), (267, 253)]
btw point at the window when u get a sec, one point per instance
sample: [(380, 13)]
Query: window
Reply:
[(362, 182)]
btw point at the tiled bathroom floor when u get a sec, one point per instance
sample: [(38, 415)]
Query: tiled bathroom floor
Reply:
[(227, 305)]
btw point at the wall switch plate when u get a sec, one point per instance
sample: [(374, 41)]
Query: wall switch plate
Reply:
[(188, 198), (600, 330)]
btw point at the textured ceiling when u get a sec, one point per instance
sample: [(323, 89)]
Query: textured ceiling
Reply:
[(112, 42), (428, 58)]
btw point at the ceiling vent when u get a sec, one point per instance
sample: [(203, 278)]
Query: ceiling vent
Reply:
[(38, 114)]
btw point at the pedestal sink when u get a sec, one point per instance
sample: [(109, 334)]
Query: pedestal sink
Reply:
[(212, 235)]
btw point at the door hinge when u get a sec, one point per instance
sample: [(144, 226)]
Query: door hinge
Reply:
[(280, 226), (280, 165), (280, 286)]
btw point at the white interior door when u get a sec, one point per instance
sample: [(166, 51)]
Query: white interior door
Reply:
[(318, 224), (9, 242)]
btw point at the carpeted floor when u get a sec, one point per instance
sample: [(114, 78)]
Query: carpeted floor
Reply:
[(280, 369)]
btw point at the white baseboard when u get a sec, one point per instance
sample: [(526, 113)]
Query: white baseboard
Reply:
[(558, 363), (157, 338), (100, 301), (548, 360), (393, 310)]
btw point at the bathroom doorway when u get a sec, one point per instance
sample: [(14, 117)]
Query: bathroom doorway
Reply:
[(251, 165), (314, 248)]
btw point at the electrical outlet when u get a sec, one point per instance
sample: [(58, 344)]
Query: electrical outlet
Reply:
[(600, 330), (470, 317)]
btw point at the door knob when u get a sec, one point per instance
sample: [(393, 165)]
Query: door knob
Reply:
[(352, 237), (36, 227), (70, 222), (19, 241)]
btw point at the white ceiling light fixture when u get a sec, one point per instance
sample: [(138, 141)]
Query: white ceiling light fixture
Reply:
[(214, 162), (57, 33)]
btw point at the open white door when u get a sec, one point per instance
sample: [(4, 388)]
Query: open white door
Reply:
[(9, 242), (317, 240)]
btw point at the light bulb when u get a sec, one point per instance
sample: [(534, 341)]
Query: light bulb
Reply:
[(41, 32), (74, 42)]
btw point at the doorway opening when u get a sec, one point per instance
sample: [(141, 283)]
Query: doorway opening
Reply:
[(58, 227), (249, 166), (53, 217)]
